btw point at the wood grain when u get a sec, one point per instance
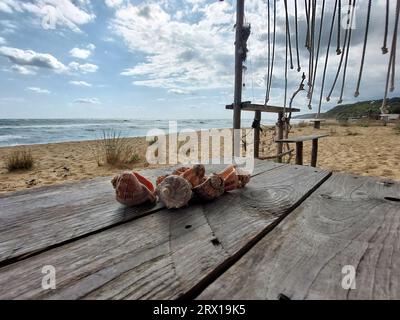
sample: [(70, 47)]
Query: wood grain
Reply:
[(167, 254), (31, 221), (347, 221)]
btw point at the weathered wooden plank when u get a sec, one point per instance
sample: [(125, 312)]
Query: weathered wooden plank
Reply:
[(347, 221), (303, 138), (40, 218), (168, 254), (248, 106)]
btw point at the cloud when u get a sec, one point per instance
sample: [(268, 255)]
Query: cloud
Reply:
[(114, 3), (23, 70), (38, 90), (80, 83), (2, 41), (84, 68), (83, 53), (87, 101), (80, 53), (53, 13), (33, 59), (179, 91)]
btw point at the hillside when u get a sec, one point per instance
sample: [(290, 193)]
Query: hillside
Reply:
[(356, 110)]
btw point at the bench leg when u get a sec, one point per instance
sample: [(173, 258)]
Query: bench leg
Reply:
[(299, 153), (257, 118), (317, 124), (279, 148), (314, 153)]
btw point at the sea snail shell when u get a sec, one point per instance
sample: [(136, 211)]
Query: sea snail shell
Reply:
[(174, 191), (195, 174), (211, 188), (234, 178), (133, 189)]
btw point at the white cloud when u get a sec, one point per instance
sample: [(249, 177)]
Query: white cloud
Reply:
[(113, 3), (182, 54), (32, 58), (2, 41), (84, 68), (179, 91), (83, 53), (87, 101), (80, 53), (23, 70), (53, 13), (80, 83), (38, 90)]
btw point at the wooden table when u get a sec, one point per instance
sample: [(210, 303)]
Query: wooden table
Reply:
[(299, 147), (290, 231)]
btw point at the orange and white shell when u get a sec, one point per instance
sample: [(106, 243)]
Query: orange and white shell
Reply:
[(234, 178), (174, 191), (133, 189), (212, 188), (195, 175)]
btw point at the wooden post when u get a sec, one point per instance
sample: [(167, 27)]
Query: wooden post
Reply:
[(317, 124), (299, 153), (280, 137), (257, 118), (237, 103), (314, 153)]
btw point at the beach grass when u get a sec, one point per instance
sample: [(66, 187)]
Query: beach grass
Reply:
[(20, 159), (114, 150)]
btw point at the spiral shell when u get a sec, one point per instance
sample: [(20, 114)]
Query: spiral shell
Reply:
[(174, 191), (133, 189), (212, 188), (195, 175), (234, 178)]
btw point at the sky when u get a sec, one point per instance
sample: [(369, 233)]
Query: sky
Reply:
[(166, 59)]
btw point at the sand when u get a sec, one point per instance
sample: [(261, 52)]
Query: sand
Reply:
[(371, 151)]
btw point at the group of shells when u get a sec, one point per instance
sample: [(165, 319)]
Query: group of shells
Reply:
[(175, 190)]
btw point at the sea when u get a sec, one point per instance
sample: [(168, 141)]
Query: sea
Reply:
[(14, 132)]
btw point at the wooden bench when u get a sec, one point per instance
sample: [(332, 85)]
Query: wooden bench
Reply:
[(299, 147)]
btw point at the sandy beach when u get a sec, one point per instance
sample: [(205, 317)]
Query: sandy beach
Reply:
[(364, 150)]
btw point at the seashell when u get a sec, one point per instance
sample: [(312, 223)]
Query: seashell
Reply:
[(234, 178), (244, 177), (212, 188), (174, 191), (176, 172), (195, 175), (133, 189)]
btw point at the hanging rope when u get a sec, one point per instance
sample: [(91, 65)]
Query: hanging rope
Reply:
[(317, 56), (272, 58), (339, 27), (311, 60), (326, 57), (286, 67), (328, 98), (347, 52), (269, 54), (384, 47), (307, 44), (357, 92), (297, 36), (383, 108), (288, 34)]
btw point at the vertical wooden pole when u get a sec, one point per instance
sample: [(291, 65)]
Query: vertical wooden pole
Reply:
[(237, 103), (257, 118), (299, 153), (314, 153), (317, 124), (280, 137)]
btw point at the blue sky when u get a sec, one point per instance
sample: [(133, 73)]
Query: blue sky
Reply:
[(165, 59)]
